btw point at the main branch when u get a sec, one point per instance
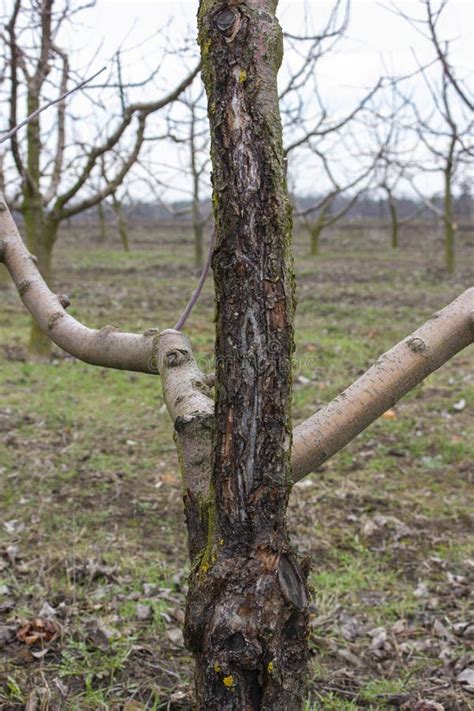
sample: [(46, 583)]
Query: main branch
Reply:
[(191, 408), (108, 347), (379, 388)]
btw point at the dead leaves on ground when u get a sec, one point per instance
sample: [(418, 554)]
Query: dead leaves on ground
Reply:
[(40, 630)]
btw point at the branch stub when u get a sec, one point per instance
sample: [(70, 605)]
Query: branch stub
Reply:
[(225, 20), (64, 300), (228, 23)]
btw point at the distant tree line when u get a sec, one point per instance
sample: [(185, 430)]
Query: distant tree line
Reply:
[(365, 207)]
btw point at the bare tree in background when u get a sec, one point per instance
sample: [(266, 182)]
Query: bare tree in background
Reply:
[(102, 219), (343, 193), (443, 125), (116, 203), (445, 141), (308, 118), (432, 17), (247, 608), (121, 220), (314, 132), (392, 156), (191, 130), (55, 170)]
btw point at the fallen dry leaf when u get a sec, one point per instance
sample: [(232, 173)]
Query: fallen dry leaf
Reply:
[(459, 405), (175, 636), (39, 630), (466, 679)]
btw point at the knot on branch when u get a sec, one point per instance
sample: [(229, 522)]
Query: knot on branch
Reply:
[(64, 300), (109, 329), (177, 357), (292, 583), (23, 286), (417, 345), (54, 318), (228, 22)]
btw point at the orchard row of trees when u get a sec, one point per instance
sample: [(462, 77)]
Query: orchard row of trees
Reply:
[(102, 146), (378, 152), (391, 214)]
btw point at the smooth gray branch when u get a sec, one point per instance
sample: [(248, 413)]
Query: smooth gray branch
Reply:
[(202, 280), (108, 347), (379, 388)]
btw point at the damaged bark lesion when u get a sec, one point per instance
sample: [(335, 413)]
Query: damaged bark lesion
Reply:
[(247, 605)]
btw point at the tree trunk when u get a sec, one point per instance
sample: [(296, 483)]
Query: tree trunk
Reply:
[(315, 233), (449, 227), (393, 224), (41, 232), (102, 223), (316, 228), (5, 281), (246, 617), (121, 223), (198, 244)]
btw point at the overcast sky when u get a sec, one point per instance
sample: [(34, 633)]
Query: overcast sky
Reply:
[(376, 42), (374, 34)]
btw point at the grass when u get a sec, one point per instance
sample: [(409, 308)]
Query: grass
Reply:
[(91, 498)]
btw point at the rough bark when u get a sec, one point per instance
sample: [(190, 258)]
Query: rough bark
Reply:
[(246, 618), (392, 376)]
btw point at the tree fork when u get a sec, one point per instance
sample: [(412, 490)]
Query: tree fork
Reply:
[(246, 619)]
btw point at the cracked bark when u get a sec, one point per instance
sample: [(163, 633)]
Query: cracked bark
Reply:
[(246, 617)]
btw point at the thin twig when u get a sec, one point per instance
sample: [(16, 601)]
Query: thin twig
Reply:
[(32, 116), (197, 292)]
